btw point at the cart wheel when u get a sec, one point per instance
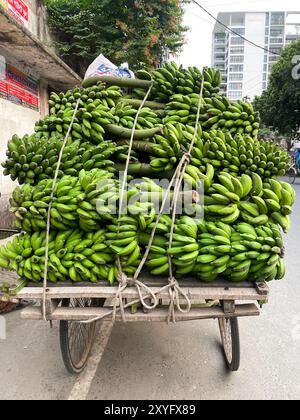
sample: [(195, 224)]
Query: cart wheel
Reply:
[(76, 339), (229, 329)]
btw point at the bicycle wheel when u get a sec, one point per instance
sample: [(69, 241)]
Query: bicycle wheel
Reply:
[(292, 173), (77, 339), (229, 330)]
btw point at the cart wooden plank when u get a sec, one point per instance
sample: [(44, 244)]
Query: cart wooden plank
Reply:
[(207, 293), (262, 288), (158, 315)]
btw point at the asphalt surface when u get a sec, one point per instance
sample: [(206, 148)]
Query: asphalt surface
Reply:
[(181, 361)]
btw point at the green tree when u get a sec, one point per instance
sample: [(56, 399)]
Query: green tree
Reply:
[(279, 105), (139, 32)]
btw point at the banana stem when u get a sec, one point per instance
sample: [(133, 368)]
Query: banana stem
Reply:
[(184, 196), (140, 146), (143, 169), (117, 81), (125, 133), (136, 103)]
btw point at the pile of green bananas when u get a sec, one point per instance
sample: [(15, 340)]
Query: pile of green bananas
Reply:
[(236, 117), (124, 115), (237, 155), (273, 200), (77, 200), (73, 255), (249, 199), (62, 101), (240, 252), (91, 118), (31, 159), (171, 79), (217, 112)]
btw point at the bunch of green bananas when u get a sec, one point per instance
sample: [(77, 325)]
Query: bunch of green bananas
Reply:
[(240, 252), (76, 200), (171, 79), (91, 118), (272, 200), (164, 83), (239, 154), (260, 253), (31, 159), (185, 247), (236, 117), (124, 115), (62, 101), (182, 109), (73, 255), (122, 238), (189, 81)]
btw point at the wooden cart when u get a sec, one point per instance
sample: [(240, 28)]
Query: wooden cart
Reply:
[(71, 304)]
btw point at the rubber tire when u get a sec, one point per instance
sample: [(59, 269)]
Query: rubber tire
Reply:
[(234, 365), (292, 174), (64, 342)]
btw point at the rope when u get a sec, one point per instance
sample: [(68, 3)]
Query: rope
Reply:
[(123, 280), (122, 307), (176, 290), (49, 212)]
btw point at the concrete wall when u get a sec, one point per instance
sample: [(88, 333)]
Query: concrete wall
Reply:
[(37, 20), (15, 119)]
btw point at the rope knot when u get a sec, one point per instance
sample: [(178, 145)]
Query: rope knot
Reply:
[(123, 279), (131, 282), (187, 157)]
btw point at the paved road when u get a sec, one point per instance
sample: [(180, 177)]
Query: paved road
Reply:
[(181, 361)]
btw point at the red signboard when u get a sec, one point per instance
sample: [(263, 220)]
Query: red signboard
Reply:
[(18, 9), (19, 88)]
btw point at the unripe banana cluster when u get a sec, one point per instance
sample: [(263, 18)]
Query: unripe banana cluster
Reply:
[(237, 155), (124, 116), (249, 199), (77, 201), (217, 112), (172, 79), (31, 159), (73, 255)]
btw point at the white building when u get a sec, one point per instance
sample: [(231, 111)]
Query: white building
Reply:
[(245, 67)]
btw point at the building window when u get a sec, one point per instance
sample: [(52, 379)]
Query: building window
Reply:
[(267, 19), (264, 85), (237, 41), (235, 95), (237, 20), (239, 31), (236, 76), (277, 18), (237, 59), (276, 32), (236, 86), (265, 67), (237, 50), (277, 40), (238, 68)]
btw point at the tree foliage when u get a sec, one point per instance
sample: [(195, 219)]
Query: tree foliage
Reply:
[(279, 105), (139, 32)]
